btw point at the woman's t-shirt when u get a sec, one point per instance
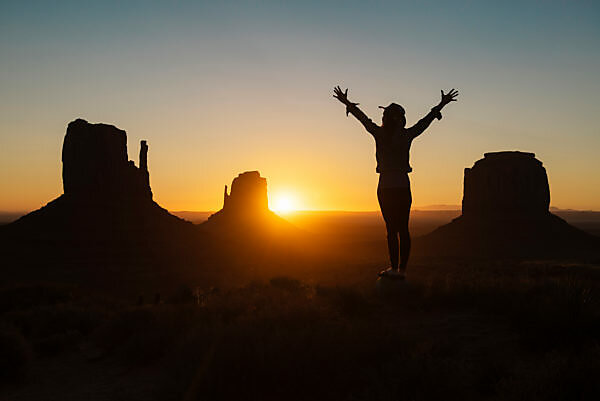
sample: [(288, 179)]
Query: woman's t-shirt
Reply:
[(392, 148)]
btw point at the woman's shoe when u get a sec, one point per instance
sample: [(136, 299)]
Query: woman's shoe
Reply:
[(392, 274)]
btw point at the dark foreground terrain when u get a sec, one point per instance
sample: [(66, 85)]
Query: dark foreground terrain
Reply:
[(271, 318), (494, 331)]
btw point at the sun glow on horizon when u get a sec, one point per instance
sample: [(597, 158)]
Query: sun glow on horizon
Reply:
[(284, 203)]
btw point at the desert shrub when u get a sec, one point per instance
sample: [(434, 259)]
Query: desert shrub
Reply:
[(51, 317), (343, 359), (53, 329), (15, 355), (286, 283), (457, 335), (183, 295), (348, 301), (233, 361), (28, 296), (558, 375), (143, 335), (560, 313)]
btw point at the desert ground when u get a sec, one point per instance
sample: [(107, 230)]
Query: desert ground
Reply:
[(310, 324)]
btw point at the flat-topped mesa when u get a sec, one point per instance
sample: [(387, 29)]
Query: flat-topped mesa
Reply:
[(248, 194), (506, 184), (95, 163)]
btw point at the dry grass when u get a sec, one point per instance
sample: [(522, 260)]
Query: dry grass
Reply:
[(506, 333)]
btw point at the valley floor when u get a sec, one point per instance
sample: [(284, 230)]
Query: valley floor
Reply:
[(496, 331)]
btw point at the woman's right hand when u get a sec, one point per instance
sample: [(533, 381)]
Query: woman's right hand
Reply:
[(340, 95), (343, 97)]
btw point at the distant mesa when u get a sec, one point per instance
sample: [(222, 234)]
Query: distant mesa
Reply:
[(248, 194), (246, 205), (248, 199), (505, 214)]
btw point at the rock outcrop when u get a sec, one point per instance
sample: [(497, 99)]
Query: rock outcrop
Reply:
[(505, 214), (95, 163)]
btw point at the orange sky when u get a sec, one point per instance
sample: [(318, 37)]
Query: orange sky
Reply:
[(220, 90)]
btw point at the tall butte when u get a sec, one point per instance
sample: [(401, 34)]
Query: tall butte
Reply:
[(95, 163), (505, 214), (106, 196)]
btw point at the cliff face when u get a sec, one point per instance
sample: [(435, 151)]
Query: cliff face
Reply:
[(506, 184), (95, 163), (505, 214)]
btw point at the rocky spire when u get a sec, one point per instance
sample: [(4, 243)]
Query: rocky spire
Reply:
[(144, 155), (225, 197)]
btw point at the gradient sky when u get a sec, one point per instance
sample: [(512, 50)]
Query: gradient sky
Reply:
[(218, 89)]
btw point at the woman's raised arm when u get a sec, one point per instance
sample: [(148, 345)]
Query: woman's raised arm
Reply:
[(352, 108)]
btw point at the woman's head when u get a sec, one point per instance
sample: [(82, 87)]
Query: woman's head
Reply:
[(393, 116)]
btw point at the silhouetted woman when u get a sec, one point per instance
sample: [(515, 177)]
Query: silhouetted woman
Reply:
[(392, 142)]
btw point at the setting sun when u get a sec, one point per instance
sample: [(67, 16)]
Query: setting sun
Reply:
[(284, 203)]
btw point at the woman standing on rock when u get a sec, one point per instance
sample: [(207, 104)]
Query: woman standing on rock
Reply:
[(392, 144)]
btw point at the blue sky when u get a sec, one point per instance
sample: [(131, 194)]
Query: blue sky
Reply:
[(221, 88)]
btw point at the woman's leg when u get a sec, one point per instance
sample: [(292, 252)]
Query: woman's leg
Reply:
[(393, 249), (404, 213), (389, 210)]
